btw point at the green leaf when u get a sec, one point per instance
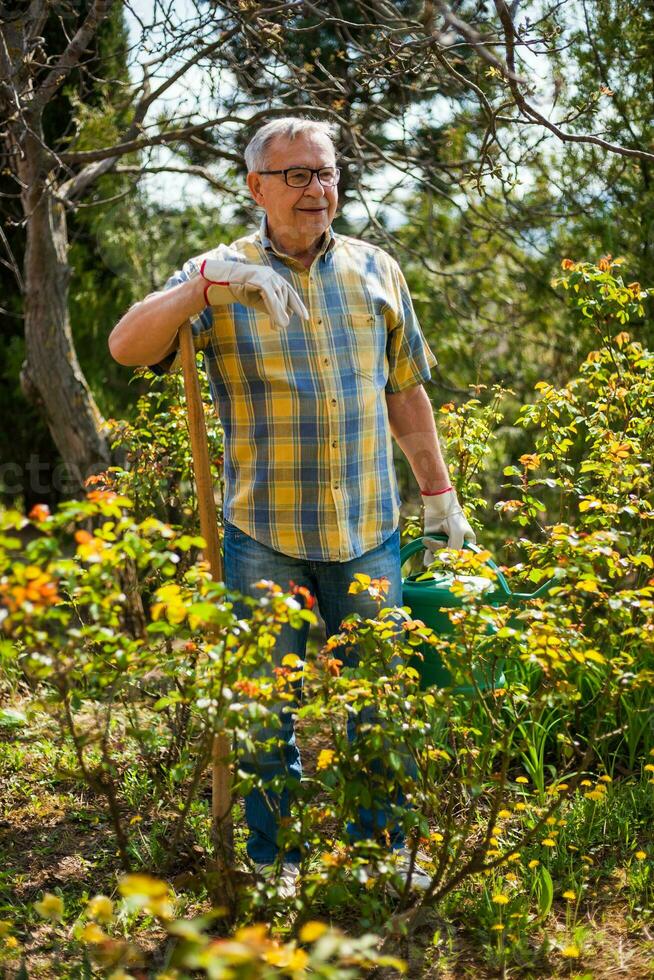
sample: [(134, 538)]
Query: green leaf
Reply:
[(545, 891), (11, 718)]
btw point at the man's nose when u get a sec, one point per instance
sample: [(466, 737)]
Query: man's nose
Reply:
[(315, 188)]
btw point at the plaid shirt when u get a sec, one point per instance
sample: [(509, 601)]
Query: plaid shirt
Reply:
[(308, 455)]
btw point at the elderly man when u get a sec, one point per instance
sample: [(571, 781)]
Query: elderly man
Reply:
[(315, 358)]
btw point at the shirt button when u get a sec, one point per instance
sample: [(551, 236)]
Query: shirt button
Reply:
[(334, 444), (318, 321), (325, 360), (333, 401), (336, 486)]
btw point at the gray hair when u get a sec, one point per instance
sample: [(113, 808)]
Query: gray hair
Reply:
[(288, 127)]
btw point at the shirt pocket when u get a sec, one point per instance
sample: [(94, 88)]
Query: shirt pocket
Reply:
[(366, 334)]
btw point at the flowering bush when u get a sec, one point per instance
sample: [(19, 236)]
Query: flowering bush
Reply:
[(506, 788)]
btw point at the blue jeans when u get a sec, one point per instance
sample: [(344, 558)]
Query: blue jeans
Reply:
[(246, 562)]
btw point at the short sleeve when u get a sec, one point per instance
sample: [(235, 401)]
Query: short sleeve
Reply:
[(409, 357), (201, 325)]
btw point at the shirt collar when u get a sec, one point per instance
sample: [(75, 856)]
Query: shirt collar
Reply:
[(327, 243)]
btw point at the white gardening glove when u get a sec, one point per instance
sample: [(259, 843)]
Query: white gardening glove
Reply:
[(444, 515), (253, 285)]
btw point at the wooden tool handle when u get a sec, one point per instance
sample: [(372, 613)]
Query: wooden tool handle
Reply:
[(200, 452), (221, 777)]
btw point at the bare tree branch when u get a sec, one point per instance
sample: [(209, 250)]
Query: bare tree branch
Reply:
[(189, 170), (476, 41), (533, 114), (71, 56)]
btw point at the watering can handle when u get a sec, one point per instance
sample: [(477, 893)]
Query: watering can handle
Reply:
[(416, 545)]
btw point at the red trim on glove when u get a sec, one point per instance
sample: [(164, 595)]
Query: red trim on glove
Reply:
[(210, 282), (435, 493)]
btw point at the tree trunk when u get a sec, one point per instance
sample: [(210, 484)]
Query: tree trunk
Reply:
[(51, 376)]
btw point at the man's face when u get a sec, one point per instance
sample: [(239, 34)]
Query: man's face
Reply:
[(297, 216)]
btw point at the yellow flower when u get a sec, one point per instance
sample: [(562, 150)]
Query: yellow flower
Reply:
[(585, 782), (93, 934), (498, 927), (147, 893), (291, 960), (569, 895), (11, 942), (101, 908), (500, 899), (595, 796), (571, 952), (649, 767), (311, 931), (521, 806), (50, 907), (607, 779), (548, 842), (533, 863), (325, 758), (5, 927), (521, 779), (551, 821), (640, 855), (504, 814)]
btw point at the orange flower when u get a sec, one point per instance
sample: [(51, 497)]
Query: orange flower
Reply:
[(379, 587), (530, 461), (309, 600), (567, 264), (604, 263), (412, 624), (107, 495), (95, 478), (248, 688), (39, 512), (333, 666)]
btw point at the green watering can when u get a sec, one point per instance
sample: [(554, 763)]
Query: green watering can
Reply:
[(430, 600)]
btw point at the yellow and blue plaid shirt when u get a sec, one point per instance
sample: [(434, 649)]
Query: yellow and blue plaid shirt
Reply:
[(308, 454)]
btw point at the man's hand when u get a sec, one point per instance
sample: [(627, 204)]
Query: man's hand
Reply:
[(444, 515), (253, 285)]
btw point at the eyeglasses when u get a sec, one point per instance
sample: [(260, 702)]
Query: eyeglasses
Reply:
[(302, 176)]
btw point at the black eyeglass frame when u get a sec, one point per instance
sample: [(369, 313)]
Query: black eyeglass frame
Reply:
[(337, 175)]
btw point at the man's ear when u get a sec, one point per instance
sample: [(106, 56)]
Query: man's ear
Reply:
[(254, 186)]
